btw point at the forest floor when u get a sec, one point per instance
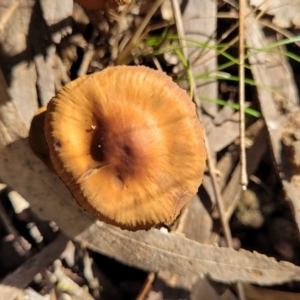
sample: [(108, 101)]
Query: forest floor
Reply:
[(43, 46)]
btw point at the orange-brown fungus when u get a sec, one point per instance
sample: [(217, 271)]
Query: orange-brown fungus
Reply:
[(128, 144), (101, 4)]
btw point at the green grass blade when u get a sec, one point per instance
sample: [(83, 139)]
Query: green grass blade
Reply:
[(249, 111)]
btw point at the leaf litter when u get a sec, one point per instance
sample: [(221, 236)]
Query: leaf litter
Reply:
[(185, 252)]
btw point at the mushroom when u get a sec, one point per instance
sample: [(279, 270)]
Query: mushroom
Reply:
[(127, 143), (101, 4)]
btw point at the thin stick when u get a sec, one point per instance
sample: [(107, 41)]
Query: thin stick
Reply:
[(146, 287), (244, 178), (180, 28), (212, 172), (183, 43)]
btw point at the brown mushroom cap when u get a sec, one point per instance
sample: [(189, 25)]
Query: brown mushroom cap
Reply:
[(128, 144), (101, 4)]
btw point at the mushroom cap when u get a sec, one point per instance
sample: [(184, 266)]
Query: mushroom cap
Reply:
[(128, 144), (101, 4)]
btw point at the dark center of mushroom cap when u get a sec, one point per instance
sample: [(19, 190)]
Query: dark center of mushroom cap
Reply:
[(124, 145)]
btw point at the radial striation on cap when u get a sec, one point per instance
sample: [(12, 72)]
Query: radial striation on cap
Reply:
[(127, 143)]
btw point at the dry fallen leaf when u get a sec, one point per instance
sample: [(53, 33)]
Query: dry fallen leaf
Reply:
[(150, 250), (286, 13)]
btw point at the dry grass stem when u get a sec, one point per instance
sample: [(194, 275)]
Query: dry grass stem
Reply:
[(244, 177), (146, 287)]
